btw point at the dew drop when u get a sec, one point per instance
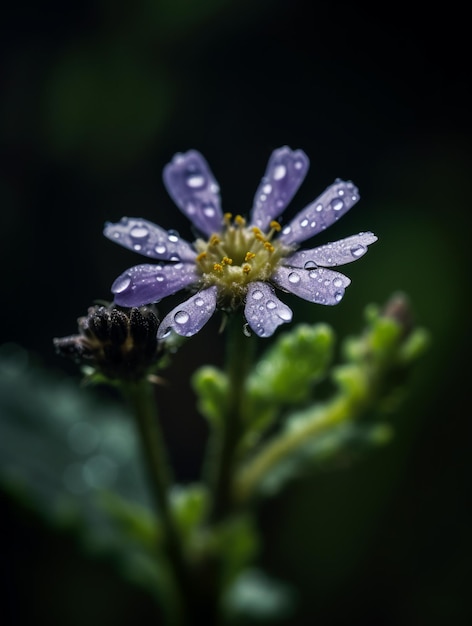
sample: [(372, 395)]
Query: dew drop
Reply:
[(340, 192), (313, 274), (137, 247), (358, 250), (257, 294), (285, 314), (267, 188), (173, 236), (139, 232), (337, 204), (304, 223), (310, 265), (121, 284), (195, 181), (319, 208), (294, 278), (337, 282), (263, 197), (175, 258), (313, 224), (199, 302), (298, 165), (354, 198), (159, 278), (326, 282), (116, 235), (271, 305), (181, 317), (246, 330), (279, 172), (160, 249), (209, 210), (338, 296), (287, 230)]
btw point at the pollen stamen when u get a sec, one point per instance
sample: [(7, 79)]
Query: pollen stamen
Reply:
[(246, 268)]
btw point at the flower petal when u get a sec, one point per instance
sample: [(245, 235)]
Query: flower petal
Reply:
[(285, 173), (316, 285), (264, 312), (143, 284), (190, 316), (193, 188), (332, 254), (150, 240), (334, 202)]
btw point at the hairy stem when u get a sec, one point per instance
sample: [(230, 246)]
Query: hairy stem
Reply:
[(141, 397), (238, 361), (247, 482)]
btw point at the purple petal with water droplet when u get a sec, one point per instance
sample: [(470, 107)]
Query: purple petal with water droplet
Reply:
[(332, 254), (285, 173), (143, 284), (149, 240), (190, 316), (334, 202), (193, 188), (315, 285), (264, 312)]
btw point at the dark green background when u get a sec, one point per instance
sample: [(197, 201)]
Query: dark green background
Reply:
[(97, 97)]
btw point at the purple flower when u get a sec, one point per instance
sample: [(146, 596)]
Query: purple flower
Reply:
[(236, 264)]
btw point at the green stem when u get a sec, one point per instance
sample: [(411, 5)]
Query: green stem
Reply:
[(238, 361), (251, 475), (140, 395)]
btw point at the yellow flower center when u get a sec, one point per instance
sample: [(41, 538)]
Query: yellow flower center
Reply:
[(238, 256)]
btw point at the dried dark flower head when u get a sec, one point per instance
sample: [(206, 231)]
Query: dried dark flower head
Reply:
[(119, 343)]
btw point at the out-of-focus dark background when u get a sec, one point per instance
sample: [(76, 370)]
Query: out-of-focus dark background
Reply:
[(96, 98)]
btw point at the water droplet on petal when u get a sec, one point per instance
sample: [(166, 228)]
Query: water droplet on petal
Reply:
[(160, 249), (313, 224), (337, 204), (137, 247), (121, 284), (195, 181), (337, 282), (304, 223), (340, 192), (263, 197), (285, 314), (246, 330), (287, 230), (271, 305), (338, 296), (159, 278), (175, 258), (209, 210), (199, 302), (319, 208), (313, 274), (116, 235), (326, 282), (298, 165), (173, 236), (310, 265), (294, 278), (257, 294), (267, 188), (181, 317), (139, 232), (279, 172), (358, 250)]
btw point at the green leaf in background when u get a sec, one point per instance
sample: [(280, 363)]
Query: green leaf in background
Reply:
[(71, 455)]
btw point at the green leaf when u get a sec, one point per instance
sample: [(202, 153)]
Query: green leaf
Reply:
[(211, 386), (71, 455)]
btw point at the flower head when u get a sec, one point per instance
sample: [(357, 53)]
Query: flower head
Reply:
[(236, 263)]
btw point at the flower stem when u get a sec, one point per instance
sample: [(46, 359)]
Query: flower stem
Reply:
[(140, 395), (247, 482), (239, 354)]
